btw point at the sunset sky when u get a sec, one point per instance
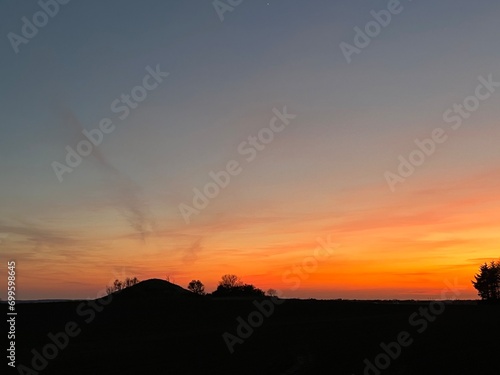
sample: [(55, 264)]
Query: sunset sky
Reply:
[(117, 213)]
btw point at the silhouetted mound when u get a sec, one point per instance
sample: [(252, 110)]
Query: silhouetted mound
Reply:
[(152, 289)]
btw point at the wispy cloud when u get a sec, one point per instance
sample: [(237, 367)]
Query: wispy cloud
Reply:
[(125, 192), (191, 254)]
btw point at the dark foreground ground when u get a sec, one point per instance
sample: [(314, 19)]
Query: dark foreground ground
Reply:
[(150, 332)]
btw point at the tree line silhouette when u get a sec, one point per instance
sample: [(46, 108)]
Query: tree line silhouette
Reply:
[(486, 282), (229, 286)]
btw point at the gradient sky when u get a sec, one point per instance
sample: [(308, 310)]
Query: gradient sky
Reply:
[(117, 214)]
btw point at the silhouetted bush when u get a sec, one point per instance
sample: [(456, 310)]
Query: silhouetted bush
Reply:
[(231, 286)]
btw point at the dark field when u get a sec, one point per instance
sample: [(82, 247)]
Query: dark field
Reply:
[(150, 330)]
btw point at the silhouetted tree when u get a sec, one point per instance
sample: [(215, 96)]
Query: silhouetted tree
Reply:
[(272, 292), (130, 281), (487, 282), (230, 281), (119, 285), (170, 279), (196, 286)]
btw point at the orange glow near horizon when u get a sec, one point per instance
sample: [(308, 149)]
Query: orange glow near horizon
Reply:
[(381, 254)]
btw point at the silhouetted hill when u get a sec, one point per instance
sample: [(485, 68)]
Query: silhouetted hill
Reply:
[(152, 288)]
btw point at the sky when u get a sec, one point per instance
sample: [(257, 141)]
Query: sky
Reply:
[(171, 91)]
